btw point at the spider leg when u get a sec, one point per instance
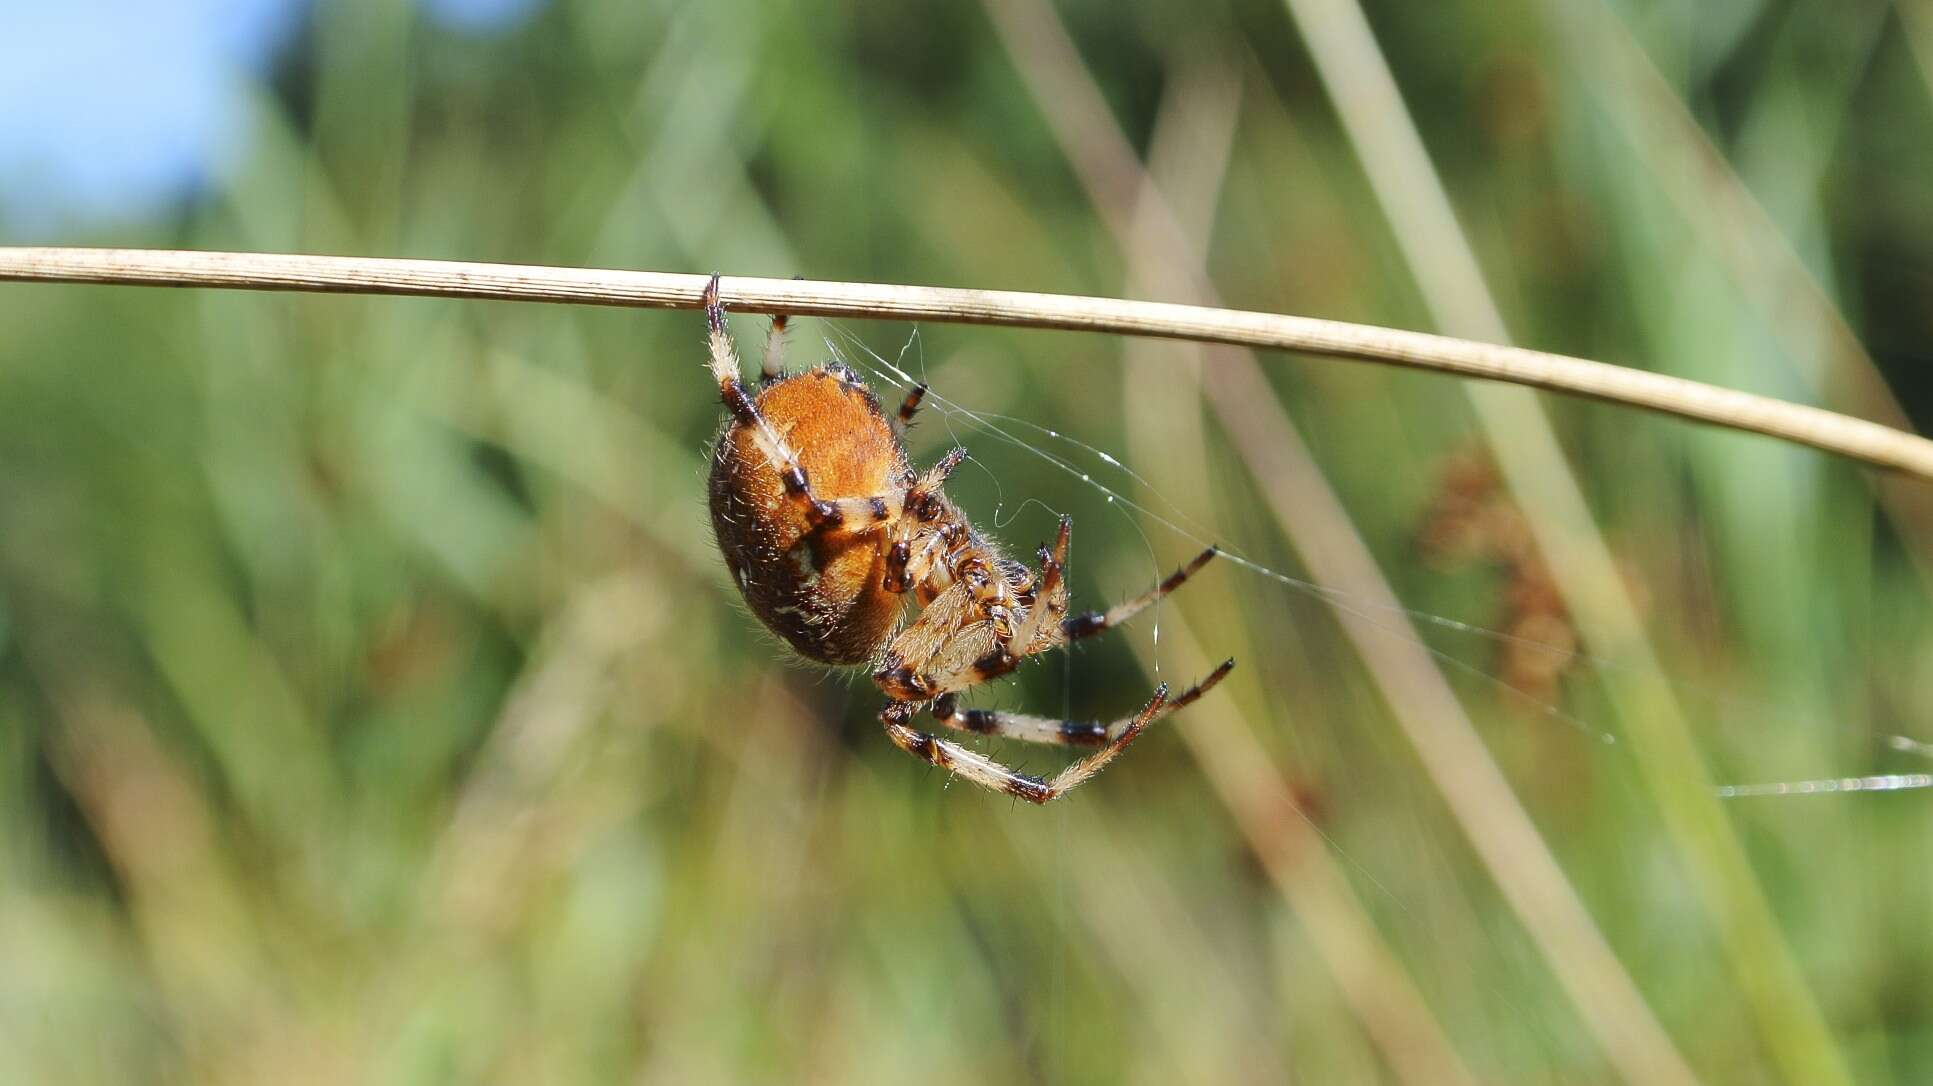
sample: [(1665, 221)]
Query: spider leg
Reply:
[(1040, 598), (909, 407), (906, 567), (1061, 733), (1050, 595), (772, 369), (927, 487), (855, 514), (1094, 622), (989, 774)]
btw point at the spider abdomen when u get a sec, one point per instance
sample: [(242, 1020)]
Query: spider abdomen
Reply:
[(819, 586)]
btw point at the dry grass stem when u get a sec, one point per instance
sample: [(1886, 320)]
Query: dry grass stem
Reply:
[(1857, 439)]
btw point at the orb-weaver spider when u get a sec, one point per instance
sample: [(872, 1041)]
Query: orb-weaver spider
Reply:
[(825, 528)]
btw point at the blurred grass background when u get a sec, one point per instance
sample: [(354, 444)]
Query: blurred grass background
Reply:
[(373, 706)]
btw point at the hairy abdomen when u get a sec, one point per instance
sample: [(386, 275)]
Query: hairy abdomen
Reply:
[(820, 590)]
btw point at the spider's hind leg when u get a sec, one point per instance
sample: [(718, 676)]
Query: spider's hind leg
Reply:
[(852, 514)]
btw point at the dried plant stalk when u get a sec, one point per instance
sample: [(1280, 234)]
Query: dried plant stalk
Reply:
[(1857, 439)]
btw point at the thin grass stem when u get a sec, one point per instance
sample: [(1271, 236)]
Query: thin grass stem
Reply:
[(1857, 439)]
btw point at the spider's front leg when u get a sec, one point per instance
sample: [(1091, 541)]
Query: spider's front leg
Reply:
[(1098, 622), (926, 534), (989, 774), (1041, 630)]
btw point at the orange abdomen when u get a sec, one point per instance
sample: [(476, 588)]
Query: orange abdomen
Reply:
[(820, 589)]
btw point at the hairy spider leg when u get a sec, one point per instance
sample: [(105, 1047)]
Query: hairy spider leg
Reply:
[(1043, 597), (848, 514), (909, 407), (1095, 622), (1060, 733), (772, 369), (989, 774), (927, 526), (1050, 595)]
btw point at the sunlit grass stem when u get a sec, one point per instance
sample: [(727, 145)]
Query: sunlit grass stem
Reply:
[(1857, 439)]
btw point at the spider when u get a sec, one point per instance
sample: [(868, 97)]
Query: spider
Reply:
[(825, 528)]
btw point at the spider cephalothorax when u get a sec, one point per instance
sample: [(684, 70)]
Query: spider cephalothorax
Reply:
[(826, 528)]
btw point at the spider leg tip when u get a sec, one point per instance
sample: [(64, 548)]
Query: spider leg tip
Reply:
[(714, 313)]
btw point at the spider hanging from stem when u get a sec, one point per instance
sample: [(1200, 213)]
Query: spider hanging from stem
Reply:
[(826, 527)]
